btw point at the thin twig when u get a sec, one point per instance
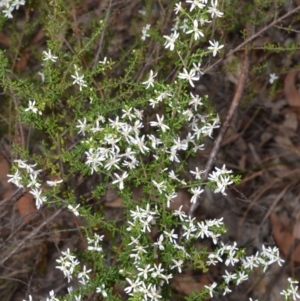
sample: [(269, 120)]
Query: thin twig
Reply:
[(235, 102), (237, 96), (251, 38), (29, 236), (13, 197), (100, 44)]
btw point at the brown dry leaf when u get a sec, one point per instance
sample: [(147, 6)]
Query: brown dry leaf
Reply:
[(187, 284), (182, 199), (111, 195), (283, 140), (4, 40), (25, 206), (116, 203), (38, 38), (290, 121), (22, 62), (290, 91), (284, 239)]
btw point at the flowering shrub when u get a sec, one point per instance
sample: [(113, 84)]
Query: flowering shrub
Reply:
[(8, 6), (137, 130)]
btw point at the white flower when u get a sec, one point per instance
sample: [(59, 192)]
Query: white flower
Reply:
[(229, 276), (83, 276), (27, 167), (82, 126), (159, 243), (197, 173), (54, 183), (172, 237), (150, 81), (42, 75), (39, 199), (197, 68), (74, 209), (209, 128), (177, 8), (250, 262), (139, 113), (127, 114), (16, 4), (180, 213), (211, 288), (101, 289), (104, 61), (120, 179), (173, 156), (178, 265), (241, 277), (94, 243), (215, 47), (15, 179), (173, 176), (33, 181), (231, 259), (8, 12), (228, 290), (52, 296), (222, 184), (157, 271), (160, 186), (213, 9), (31, 107), (145, 32), (195, 3), (184, 25), (223, 170), (286, 294), (197, 32), (78, 79), (49, 56), (137, 126), (214, 259), (291, 280), (169, 197), (273, 77), (170, 40), (68, 263), (203, 21), (144, 271), (159, 123), (139, 141), (153, 102), (293, 290), (196, 101), (196, 193), (133, 286), (94, 159), (190, 76)]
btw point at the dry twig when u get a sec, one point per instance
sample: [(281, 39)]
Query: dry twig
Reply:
[(237, 96)]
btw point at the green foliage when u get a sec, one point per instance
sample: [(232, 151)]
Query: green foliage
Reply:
[(120, 123)]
